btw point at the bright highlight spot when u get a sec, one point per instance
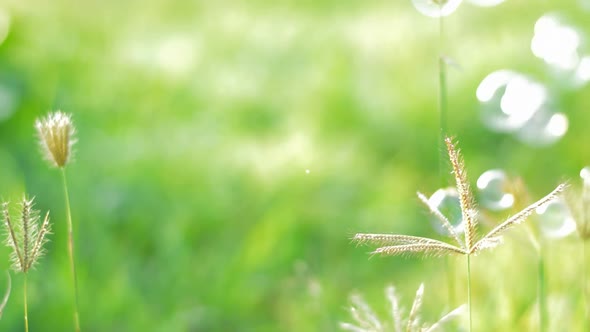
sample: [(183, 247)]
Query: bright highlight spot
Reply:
[(557, 125), (583, 70), (555, 43)]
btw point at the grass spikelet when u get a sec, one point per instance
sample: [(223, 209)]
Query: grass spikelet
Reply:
[(26, 237), (363, 314), (365, 319), (56, 136), (391, 239), (396, 314), (414, 318), (519, 217), (465, 197), (433, 249)]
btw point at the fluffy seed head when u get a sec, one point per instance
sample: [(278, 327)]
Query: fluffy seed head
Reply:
[(25, 235), (56, 135)]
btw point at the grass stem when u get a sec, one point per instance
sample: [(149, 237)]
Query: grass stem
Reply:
[(469, 291), (26, 307), (442, 105), (71, 250), (442, 110), (450, 281), (542, 291), (584, 285)]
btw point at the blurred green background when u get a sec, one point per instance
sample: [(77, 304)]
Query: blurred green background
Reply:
[(228, 150)]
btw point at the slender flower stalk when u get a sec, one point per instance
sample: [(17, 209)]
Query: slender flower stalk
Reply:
[(583, 227), (584, 286), (394, 244), (442, 100), (71, 248), (442, 110), (56, 135), (26, 306), (469, 291), (542, 291), (537, 243), (26, 237)]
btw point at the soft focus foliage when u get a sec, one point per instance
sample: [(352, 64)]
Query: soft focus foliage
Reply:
[(228, 150)]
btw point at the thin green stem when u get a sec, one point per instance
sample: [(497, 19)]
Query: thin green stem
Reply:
[(442, 110), (584, 285), (450, 271), (442, 104), (71, 250), (469, 291), (542, 291), (450, 281), (26, 307)]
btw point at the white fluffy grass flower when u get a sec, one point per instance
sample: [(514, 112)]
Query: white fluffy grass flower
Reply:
[(56, 135)]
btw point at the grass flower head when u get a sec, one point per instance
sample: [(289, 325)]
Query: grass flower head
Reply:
[(26, 236), (56, 135), (394, 244)]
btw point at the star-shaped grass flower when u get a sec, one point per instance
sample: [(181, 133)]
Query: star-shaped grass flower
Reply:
[(394, 244)]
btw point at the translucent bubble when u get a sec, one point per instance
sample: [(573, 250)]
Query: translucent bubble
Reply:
[(446, 200), (436, 8), (556, 43), (514, 103), (582, 74), (545, 128), (492, 185), (486, 3), (555, 219), (509, 99)]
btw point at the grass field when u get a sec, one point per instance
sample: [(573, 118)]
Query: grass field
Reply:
[(228, 151)]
